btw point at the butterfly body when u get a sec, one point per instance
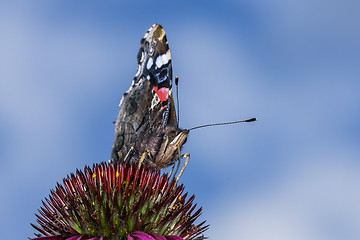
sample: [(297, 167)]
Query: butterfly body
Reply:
[(147, 118)]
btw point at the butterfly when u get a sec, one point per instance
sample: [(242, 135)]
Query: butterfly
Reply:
[(147, 130)]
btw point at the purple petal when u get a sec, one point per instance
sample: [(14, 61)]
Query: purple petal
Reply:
[(80, 237), (49, 238), (139, 236), (173, 238), (157, 236), (96, 238)]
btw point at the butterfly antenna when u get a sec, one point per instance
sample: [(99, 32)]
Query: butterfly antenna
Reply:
[(177, 99), (224, 123)]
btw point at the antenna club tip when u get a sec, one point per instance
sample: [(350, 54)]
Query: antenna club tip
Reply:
[(252, 120)]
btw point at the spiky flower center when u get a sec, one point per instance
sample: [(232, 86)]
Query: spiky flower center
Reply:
[(114, 200)]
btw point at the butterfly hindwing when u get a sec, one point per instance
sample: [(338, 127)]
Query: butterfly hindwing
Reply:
[(147, 116)]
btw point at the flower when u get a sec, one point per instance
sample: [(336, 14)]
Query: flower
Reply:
[(118, 201)]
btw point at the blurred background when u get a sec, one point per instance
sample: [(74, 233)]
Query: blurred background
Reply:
[(294, 174)]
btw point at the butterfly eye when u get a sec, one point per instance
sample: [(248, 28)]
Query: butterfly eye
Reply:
[(155, 42), (172, 133)]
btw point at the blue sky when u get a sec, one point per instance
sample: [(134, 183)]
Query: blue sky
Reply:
[(294, 174)]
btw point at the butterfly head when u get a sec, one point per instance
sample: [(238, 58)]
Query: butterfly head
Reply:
[(171, 146)]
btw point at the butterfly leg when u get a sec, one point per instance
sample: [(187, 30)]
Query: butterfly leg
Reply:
[(178, 160), (171, 171), (187, 156), (129, 154), (145, 153), (173, 166)]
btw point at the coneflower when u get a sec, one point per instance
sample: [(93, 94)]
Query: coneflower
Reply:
[(118, 201)]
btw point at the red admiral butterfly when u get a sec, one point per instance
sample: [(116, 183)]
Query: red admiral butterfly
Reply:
[(147, 119), (147, 130)]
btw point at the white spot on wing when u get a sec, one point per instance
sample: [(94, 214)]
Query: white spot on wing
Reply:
[(154, 101), (151, 51), (142, 56), (164, 58), (149, 63), (138, 71), (159, 62)]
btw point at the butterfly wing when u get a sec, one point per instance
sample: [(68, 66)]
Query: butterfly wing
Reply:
[(147, 117)]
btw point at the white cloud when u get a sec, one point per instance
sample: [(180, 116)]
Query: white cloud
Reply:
[(316, 201), (47, 77)]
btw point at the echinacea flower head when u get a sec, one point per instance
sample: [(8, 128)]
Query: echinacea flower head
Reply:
[(118, 201)]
